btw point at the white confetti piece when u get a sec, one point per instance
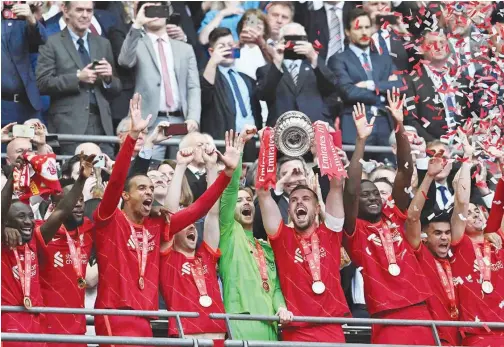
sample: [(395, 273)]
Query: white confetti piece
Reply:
[(368, 251), (432, 215), (426, 124), (461, 216)]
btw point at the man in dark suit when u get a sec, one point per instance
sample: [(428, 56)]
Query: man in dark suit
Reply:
[(291, 172), (386, 40), (228, 97), (76, 68), (327, 25), (364, 76), (20, 95), (431, 100), (297, 79)]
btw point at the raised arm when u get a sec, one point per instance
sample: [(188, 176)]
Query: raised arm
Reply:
[(64, 208), (7, 192), (234, 148), (413, 222), (404, 159), (353, 184), (200, 207), (462, 191), (184, 157), (271, 215), (115, 187)]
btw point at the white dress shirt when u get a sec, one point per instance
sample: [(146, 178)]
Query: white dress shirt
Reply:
[(358, 288), (439, 199), (171, 70), (386, 36), (339, 14), (197, 172)]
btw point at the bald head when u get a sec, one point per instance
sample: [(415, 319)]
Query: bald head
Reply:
[(16, 147), (194, 139), (292, 29), (88, 148)]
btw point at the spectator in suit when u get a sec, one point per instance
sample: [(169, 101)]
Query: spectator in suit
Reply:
[(229, 99), (101, 21), (76, 68), (291, 172), (295, 84), (279, 13), (196, 171), (20, 95), (388, 40), (327, 25), (430, 94), (365, 77), (166, 74)]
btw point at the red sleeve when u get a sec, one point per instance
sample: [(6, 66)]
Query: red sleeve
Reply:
[(497, 210), (115, 186), (199, 208), (38, 234)]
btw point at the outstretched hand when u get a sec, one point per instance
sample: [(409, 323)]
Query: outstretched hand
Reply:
[(86, 165), (248, 133), (467, 147), (395, 104), (436, 164), (364, 129), (138, 124), (234, 148)]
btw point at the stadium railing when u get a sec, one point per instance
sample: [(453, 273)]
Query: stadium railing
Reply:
[(183, 341)]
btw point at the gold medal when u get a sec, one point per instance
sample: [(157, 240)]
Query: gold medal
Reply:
[(487, 287), (27, 302), (141, 283), (394, 269), (81, 283), (266, 286), (318, 287), (205, 301)]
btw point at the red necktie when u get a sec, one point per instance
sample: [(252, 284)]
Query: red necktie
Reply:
[(166, 75), (93, 30)]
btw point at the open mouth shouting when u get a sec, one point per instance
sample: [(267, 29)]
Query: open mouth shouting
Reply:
[(147, 204), (301, 212), (191, 236), (247, 211)]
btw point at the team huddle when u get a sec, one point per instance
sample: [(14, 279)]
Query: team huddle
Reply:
[(450, 268)]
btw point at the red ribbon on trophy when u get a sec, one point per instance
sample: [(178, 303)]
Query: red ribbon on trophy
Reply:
[(328, 159), (38, 177), (266, 166)]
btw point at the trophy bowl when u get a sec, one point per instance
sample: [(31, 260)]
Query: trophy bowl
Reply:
[(294, 133)]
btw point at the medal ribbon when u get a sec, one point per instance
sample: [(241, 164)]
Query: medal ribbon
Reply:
[(24, 274), (313, 256), (75, 253), (388, 244), (141, 257), (485, 269), (266, 164), (261, 261), (445, 274), (199, 277)]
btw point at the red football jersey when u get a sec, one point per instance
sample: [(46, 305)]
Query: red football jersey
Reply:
[(12, 293), (382, 290), (118, 266), (474, 304), (181, 294), (438, 304), (296, 278), (58, 279)]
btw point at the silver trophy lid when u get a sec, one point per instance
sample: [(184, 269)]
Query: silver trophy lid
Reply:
[(294, 133)]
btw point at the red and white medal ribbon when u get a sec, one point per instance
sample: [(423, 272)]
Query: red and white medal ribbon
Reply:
[(445, 275), (141, 254), (485, 265), (261, 265), (75, 255), (199, 279), (313, 258), (388, 247), (24, 274)]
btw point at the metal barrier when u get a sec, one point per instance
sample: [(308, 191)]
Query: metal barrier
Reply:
[(69, 138), (182, 341)]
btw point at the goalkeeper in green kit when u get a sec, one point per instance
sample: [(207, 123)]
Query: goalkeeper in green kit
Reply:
[(247, 265)]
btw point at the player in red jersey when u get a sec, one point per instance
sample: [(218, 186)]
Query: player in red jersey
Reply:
[(21, 284), (188, 276), (128, 241), (478, 271), (307, 256), (394, 283), (433, 254)]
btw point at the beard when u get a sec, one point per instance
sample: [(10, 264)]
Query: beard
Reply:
[(309, 222)]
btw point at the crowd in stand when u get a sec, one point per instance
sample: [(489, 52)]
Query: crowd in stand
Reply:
[(415, 233)]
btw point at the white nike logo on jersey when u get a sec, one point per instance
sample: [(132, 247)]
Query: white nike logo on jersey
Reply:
[(298, 257), (58, 259), (186, 269), (55, 239)]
